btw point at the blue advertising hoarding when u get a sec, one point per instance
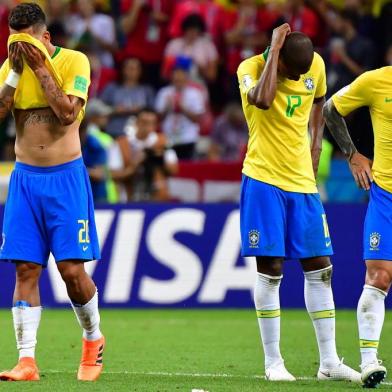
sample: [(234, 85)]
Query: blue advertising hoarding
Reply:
[(188, 255)]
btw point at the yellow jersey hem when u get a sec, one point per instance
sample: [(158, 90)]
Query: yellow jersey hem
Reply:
[(282, 186)]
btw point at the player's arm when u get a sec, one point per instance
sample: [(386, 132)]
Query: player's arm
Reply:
[(316, 127), (65, 107), (360, 165), (263, 93), (7, 90)]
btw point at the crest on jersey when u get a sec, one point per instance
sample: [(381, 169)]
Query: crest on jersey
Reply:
[(247, 81), (309, 83), (374, 241), (254, 238)]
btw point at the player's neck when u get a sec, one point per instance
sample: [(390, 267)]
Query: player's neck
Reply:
[(51, 49)]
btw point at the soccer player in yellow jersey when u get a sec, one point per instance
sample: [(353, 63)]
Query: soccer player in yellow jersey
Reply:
[(49, 206), (282, 93), (374, 90)]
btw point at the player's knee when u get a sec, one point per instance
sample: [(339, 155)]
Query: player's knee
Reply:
[(28, 272), (71, 275), (379, 277), (272, 266)]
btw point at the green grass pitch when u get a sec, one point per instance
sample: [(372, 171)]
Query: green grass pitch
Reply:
[(181, 350)]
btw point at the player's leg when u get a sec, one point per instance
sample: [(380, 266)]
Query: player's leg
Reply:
[(262, 234), (26, 312), (24, 239), (308, 240), (370, 315), (377, 245), (70, 222), (267, 303)]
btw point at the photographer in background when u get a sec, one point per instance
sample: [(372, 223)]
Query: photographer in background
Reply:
[(154, 162)]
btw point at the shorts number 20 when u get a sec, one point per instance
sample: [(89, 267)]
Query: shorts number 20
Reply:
[(83, 231)]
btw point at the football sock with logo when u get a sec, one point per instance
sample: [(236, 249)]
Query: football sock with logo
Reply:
[(370, 315), (26, 322), (266, 296), (88, 317), (321, 309)]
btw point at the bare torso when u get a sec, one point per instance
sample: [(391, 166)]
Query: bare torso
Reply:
[(42, 141)]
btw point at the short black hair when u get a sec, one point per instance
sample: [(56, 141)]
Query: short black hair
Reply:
[(297, 52), (351, 16), (147, 110), (26, 15), (193, 21)]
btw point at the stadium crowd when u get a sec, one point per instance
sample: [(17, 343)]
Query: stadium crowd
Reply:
[(164, 85)]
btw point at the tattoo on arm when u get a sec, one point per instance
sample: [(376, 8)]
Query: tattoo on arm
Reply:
[(6, 100), (64, 109), (338, 128)]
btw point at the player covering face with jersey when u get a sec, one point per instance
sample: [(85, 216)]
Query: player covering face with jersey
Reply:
[(282, 92), (49, 206)]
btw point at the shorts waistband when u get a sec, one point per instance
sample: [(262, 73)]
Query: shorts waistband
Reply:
[(50, 169)]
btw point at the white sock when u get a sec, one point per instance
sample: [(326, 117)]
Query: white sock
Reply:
[(26, 322), (370, 315), (266, 296), (321, 309), (88, 317)]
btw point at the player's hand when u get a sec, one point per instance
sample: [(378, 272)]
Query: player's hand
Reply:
[(34, 57), (361, 168), (16, 58), (315, 153), (279, 35)]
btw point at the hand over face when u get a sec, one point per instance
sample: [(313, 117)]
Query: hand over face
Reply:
[(33, 56), (16, 58)]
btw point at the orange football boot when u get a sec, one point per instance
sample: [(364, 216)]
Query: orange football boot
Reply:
[(25, 370), (91, 363)]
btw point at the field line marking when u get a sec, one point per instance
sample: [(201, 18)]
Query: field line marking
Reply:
[(184, 374)]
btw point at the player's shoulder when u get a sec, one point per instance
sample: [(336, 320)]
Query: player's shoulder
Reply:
[(252, 62), (73, 55), (318, 62)]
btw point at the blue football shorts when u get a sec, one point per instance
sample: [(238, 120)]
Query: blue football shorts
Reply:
[(284, 224), (49, 209), (377, 234)]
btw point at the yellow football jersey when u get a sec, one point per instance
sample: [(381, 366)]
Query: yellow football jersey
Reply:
[(279, 146), (71, 65), (373, 89)]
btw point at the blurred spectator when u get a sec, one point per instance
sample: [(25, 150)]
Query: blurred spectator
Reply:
[(195, 45), (58, 34), (92, 30), (349, 54), (181, 107), (154, 161), (229, 135), (95, 158), (384, 36), (101, 76), (245, 32), (126, 97), (145, 24), (5, 7), (302, 18), (207, 9)]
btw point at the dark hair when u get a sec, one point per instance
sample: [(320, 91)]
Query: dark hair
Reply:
[(297, 52), (26, 15), (351, 16), (193, 21), (148, 110)]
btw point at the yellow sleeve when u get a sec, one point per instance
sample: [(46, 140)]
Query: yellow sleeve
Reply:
[(4, 72), (355, 95), (321, 88), (77, 78), (247, 76)]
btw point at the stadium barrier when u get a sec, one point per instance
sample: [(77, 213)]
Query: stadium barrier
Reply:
[(175, 255)]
